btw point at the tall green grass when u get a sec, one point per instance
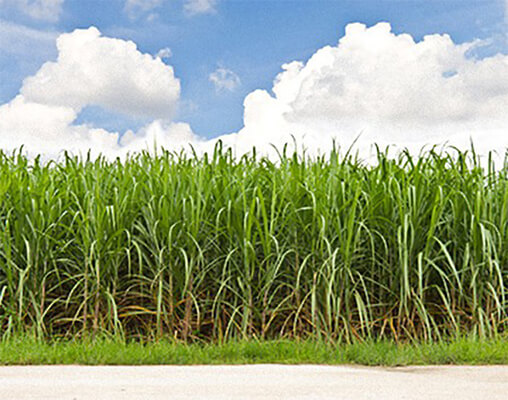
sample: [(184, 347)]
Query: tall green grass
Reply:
[(216, 247)]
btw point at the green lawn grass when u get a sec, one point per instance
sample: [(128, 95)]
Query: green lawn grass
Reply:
[(23, 351)]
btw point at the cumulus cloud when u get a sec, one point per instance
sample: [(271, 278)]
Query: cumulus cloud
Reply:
[(193, 7), (224, 79), (90, 70), (48, 10), (385, 86), (110, 73)]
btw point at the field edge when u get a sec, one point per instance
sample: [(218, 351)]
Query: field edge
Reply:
[(462, 351)]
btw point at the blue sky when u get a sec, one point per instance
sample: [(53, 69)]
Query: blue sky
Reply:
[(228, 69), (252, 38)]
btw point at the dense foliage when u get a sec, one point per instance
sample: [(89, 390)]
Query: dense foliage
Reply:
[(216, 247)]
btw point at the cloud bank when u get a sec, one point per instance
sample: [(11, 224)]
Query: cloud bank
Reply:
[(385, 87), (388, 89)]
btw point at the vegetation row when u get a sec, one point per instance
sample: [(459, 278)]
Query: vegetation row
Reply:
[(219, 247)]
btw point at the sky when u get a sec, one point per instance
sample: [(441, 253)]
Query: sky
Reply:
[(117, 76)]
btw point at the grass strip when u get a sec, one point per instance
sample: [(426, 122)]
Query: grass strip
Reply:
[(384, 353)]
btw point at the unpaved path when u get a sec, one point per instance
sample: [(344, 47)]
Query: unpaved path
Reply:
[(253, 382)]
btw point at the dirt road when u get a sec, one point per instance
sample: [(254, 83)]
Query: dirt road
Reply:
[(253, 382)]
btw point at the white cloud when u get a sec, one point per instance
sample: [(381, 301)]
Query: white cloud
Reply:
[(193, 7), (160, 133), (110, 73), (164, 53), (48, 10), (48, 130), (388, 87), (224, 79), (90, 70)]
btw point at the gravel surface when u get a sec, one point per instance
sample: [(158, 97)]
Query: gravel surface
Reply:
[(253, 382)]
